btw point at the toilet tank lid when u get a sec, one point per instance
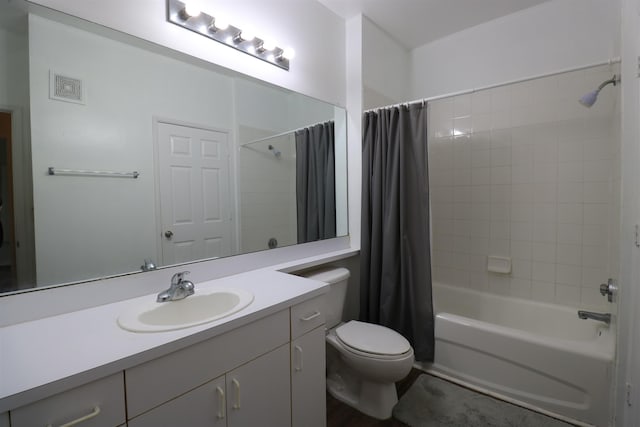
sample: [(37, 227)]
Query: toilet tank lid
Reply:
[(328, 274), (370, 338)]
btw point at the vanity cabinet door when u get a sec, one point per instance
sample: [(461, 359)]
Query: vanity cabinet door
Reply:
[(258, 393), (4, 419), (203, 407), (308, 380), (98, 404)]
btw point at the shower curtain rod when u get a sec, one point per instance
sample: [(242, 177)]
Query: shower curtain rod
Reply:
[(611, 61), (266, 138)]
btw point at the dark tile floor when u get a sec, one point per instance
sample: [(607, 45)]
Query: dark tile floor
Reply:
[(341, 415)]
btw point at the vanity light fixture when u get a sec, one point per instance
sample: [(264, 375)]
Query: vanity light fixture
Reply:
[(193, 19)]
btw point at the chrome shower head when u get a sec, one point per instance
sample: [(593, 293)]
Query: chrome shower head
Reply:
[(590, 98), (275, 151)]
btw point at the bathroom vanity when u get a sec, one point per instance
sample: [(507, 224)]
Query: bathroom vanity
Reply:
[(264, 365)]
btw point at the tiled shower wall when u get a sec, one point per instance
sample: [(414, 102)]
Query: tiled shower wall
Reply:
[(524, 171)]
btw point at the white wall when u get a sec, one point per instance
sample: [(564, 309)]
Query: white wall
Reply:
[(83, 231), (386, 67), (316, 34), (555, 35)]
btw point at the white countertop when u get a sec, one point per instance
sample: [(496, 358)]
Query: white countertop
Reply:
[(44, 357)]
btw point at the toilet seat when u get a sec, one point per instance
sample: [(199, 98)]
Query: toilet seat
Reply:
[(369, 340)]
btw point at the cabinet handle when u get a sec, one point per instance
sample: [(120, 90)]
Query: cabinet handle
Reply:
[(236, 386), (298, 350), (222, 404), (94, 413), (311, 316)]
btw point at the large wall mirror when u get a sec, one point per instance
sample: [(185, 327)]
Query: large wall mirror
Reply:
[(117, 157)]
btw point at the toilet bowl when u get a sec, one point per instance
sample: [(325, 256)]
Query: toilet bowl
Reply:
[(364, 360)]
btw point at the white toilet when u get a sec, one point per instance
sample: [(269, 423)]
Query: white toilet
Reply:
[(363, 360)]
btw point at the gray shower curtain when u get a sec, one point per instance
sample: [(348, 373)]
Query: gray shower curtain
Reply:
[(395, 267), (315, 182)]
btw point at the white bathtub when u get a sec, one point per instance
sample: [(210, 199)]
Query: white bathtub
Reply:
[(538, 355)]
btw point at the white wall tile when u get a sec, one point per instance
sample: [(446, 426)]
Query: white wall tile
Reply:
[(481, 229), (545, 212), (461, 228), (520, 288), (522, 193), (570, 213), (543, 271), (570, 234), (595, 256), (521, 249), (501, 156), (570, 192), (544, 252), (500, 175), (521, 269), (568, 274), (570, 172), (595, 213), (545, 172), (481, 102), (481, 176), (543, 291), (481, 158), (462, 105), (569, 254), (545, 192), (522, 231), (597, 170), (523, 212), (545, 232), (567, 294), (533, 177), (596, 192), (594, 234)]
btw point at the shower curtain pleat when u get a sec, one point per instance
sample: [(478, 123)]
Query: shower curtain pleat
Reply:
[(395, 267), (315, 182)]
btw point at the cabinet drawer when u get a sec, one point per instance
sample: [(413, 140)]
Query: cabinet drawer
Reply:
[(203, 407), (104, 397), (307, 315), (160, 380)]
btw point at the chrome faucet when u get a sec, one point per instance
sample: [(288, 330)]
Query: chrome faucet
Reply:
[(601, 317), (179, 289)]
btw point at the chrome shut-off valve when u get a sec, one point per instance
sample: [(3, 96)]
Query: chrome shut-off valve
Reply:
[(609, 289)]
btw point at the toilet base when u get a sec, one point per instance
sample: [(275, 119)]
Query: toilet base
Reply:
[(373, 399)]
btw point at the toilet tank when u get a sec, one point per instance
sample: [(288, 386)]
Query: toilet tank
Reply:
[(337, 278)]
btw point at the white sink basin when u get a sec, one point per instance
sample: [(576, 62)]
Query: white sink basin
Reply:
[(203, 307)]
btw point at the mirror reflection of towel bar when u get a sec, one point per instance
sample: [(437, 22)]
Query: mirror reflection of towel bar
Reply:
[(56, 171)]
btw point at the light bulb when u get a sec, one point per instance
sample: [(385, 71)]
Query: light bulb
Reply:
[(221, 24), (268, 45), (288, 53), (247, 35), (191, 10)]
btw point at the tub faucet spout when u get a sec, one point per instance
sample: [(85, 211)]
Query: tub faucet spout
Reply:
[(601, 317)]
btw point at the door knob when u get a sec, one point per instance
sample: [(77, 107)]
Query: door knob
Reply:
[(168, 234)]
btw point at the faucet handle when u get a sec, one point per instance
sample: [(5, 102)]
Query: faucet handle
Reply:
[(179, 277), (609, 289)]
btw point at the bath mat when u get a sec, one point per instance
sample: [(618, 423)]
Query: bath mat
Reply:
[(432, 402)]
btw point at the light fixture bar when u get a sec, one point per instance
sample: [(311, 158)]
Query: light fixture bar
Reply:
[(205, 25)]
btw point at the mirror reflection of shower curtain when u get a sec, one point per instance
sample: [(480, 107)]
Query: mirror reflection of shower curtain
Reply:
[(315, 182)]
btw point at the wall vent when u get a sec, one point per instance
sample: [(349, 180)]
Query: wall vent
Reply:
[(65, 88)]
